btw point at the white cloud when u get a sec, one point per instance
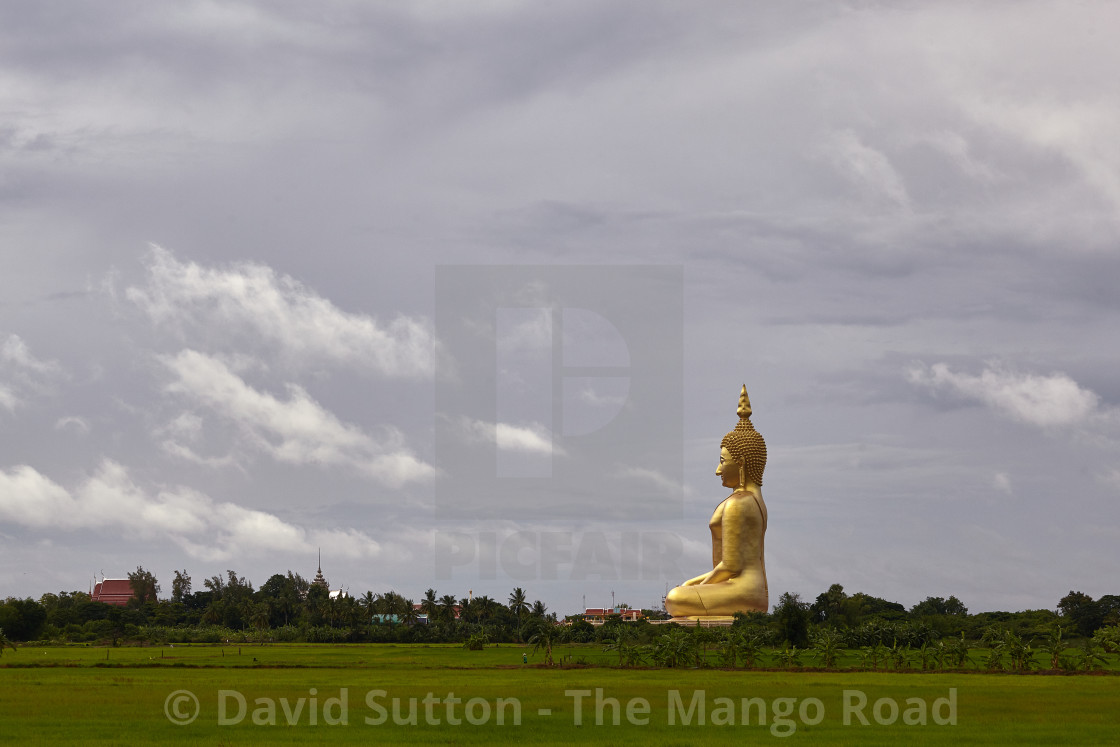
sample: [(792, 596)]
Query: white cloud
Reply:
[(24, 373), (1079, 132), (15, 352), (295, 431), (1001, 481), (207, 529), (29, 499), (654, 478), (526, 329), (1052, 400), (532, 439), (186, 453), (959, 151), (281, 311), (74, 424), (8, 399), (866, 167), (1110, 476)]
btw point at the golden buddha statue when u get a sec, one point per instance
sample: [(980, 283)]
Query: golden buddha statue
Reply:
[(737, 581)]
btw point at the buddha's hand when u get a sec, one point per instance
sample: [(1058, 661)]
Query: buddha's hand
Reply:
[(717, 575), (695, 581)]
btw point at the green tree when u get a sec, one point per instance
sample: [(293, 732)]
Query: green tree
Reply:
[(283, 598), (792, 617), (447, 608), (260, 616), (144, 585), (543, 640), (316, 605), (864, 605), (430, 605), (1080, 609), (938, 606), (180, 586), (409, 614), (518, 605), (23, 619), (830, 607), (367, 603)]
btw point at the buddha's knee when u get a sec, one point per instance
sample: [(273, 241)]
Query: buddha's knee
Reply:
[(684, 600)]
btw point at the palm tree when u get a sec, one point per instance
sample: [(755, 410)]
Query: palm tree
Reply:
[(518, 605), (392, 603), (429, 606), (540, 611), (447, 607), (483, 608), (466, 608), (260, 616), (542, 640), (5, 643), (366, 602), (408, 612)]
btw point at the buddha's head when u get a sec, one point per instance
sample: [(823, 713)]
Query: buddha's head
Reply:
[(742, 451)]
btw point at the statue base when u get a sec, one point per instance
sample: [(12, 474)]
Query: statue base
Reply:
[(704, 621)]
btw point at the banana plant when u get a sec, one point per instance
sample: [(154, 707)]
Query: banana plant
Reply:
[(5, 643), (826, 645)]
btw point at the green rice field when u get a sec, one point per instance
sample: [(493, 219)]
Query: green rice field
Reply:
[(308, 694)]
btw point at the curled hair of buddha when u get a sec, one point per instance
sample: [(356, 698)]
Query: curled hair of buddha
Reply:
[(745, 443)]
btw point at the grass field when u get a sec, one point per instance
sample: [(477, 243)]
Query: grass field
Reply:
[(70, 695)]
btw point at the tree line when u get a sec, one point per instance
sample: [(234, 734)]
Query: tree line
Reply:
[(287, 607)]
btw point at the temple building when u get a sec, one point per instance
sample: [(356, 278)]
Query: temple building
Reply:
[(114, 591), (321, 581)]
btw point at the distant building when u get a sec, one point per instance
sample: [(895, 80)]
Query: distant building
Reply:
[(422, 617), (599, 615), (114, 591), (319, 580)]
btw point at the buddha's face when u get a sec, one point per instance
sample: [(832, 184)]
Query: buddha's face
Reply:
[(728, 469)]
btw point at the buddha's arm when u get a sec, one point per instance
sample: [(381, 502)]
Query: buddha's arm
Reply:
[(716, 525), (735, 529)]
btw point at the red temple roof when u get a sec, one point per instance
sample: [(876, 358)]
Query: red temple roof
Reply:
[(115, 591)]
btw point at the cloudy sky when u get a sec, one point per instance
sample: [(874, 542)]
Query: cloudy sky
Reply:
[(222, 228)]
